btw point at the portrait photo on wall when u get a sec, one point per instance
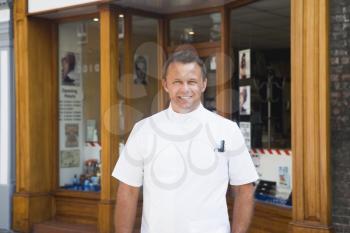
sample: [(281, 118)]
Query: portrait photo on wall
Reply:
[(244, 64), (140, 70), (72, 135), (69, 75), (244, 100)]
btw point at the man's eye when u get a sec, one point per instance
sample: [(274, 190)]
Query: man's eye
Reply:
[(176, 82), (192, 82)]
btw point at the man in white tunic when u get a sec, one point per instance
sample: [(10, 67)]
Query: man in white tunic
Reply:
[(184, 157)]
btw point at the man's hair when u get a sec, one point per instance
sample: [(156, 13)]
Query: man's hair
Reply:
[(70, 59), (185, 56)]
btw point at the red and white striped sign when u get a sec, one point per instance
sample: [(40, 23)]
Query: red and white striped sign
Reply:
[(277, 152), (93, 144)]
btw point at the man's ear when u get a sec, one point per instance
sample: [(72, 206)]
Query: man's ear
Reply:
[(204, 84), (165, 85)]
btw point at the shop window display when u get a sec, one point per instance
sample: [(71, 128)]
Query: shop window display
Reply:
[(260, 34), (79, 106)]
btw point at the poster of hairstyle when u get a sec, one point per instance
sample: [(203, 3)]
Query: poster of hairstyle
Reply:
[(69, 71), (140, 70), (244, 100), (244, 64)]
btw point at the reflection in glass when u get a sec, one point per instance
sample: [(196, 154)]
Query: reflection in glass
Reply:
[(144, 80), (260, 35), (196, 29), (209, 96)]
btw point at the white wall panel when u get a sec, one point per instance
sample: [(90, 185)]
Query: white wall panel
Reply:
[(4, 15), (45, 5), (4, 117)]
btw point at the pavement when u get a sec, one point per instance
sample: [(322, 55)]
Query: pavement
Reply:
[(6, 231)]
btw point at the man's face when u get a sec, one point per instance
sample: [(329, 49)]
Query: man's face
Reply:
[(185, 85), (65, 68), (141, 70), (241, 99)]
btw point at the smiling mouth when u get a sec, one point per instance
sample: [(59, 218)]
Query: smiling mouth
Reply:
[(185, 97)]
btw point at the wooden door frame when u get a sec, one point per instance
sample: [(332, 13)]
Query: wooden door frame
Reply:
[(310, 116)]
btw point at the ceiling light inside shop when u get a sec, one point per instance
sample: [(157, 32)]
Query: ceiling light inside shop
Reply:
[(96, 19), (121, 16), (191, 32)]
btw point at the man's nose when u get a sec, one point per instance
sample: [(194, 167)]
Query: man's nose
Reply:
[(185, 86)]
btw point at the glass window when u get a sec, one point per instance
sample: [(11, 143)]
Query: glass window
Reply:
[(260, 35), (203, 28), (261, 43), (144, 84), (79, 105), (138, 90), (209, 96), (121, 84)]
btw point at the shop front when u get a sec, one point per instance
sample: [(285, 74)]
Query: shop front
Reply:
[(87, 71)]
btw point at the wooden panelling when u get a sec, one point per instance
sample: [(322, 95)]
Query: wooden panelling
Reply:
[(40, 80), (162, 37), (34, 104), (75, 194), (310, 228), (128, 68), (109, 115), (21, 213), (29, 209), (62, 227), (106, 216), (324, 112), (109, 99), (77, 210), (76, 18), (267, 218), (54, 108), (223, 75), (76, 207), (271, 219), (238, 3), (35, 148), (310, 116), (22, 132)]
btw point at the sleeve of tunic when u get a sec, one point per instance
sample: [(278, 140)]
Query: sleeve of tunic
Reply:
[(241, 167), (129, 167)]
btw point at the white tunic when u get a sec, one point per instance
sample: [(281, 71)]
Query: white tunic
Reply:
[(184, 176)]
